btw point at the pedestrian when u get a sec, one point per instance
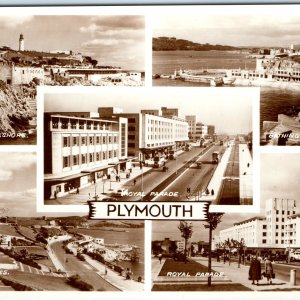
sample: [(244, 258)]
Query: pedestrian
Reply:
[(212, 192), (105, 271), (255, 270), (77, 190), (130, 170), (269, 269), (160, 257), (55, 194), (134, 181)]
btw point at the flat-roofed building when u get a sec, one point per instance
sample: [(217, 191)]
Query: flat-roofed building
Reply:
[(81, 150), (150, 134), (277, 230)]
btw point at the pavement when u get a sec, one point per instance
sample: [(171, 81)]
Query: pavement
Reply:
[(235, 274), (102, 188), (246, 173), (114, 278)]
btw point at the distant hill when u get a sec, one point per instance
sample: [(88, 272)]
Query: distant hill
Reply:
[(171, 44)]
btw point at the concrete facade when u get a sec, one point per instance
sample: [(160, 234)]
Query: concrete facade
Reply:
[(24, 75), (278, 229), (79, 151)]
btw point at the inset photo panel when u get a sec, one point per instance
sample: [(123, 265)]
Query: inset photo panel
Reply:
[(236, 252), (63, 50), (147, 145), (61, 251)]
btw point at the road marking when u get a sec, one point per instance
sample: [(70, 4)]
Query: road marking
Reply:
[(88, 266), (187, 169), (21, 266)]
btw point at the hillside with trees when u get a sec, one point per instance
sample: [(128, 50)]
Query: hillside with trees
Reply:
[(172, 44)]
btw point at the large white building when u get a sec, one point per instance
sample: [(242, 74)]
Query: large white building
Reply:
[(79, 149), (279, 229), (149, 132)]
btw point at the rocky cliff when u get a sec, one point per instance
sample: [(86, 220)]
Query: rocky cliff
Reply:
[(15, 112)]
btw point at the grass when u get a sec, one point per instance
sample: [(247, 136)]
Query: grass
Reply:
[(199, 287), (191, 267), (44, 282), (5, 259), (8, 230)]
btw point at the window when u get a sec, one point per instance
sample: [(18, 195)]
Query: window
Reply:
[(277, 212), (109, 139), (104, 139), (97, 156), (277, 226), (276, 242), (264, 234), (282, 226), (83, 141), (282, 219), (91, 140), (91, 157), (115, 139), (276, 234), (264, 241), (132, 137), (277, 219), (98, 139), (75, 160), (66, 141), (83, 158), (264, 226), (75, 141), (104, 155), (66, 162), (282, 212)]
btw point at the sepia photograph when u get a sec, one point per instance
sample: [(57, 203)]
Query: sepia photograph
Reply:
[(230, 252), (163, 145), (61, 252), (235, 50), (63, 50)]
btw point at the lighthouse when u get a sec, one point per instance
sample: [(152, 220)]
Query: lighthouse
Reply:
[(21, 42)]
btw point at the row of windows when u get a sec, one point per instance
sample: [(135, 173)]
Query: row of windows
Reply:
[(74, 160), (91, 140)]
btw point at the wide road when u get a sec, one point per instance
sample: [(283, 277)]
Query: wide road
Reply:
[(192, 177), (152, 179), (282, 271), (86, 272)]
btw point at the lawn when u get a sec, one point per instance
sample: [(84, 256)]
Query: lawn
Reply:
[(199, 287), (190, 267), (44, 282), (4, 259), (8, 230), (27, 232)]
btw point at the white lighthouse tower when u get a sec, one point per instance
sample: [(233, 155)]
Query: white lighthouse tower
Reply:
[(21, 43)]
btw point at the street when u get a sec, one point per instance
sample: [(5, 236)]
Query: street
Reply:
[(74, 266), (157, 180)]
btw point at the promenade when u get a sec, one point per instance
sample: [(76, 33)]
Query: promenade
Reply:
[(234, 274)]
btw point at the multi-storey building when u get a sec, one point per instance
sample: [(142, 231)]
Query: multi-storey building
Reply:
[(79, 149), (277, 230), (149, 133), (192, 126), (201, 131), (211, 131)]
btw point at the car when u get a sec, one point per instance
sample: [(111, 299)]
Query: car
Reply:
[(120, 192), (295, 255), (108, 199), (179, 256)]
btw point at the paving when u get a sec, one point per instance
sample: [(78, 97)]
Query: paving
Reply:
[(115, 278), (246, 173), (235, 273)]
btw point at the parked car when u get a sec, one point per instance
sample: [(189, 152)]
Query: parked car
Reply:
[(295, 256), (120, 192), (179, 256)]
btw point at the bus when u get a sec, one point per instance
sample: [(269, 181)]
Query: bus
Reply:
[(216, 157)]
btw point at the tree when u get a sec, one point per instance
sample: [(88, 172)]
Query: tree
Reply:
[(239, 246), (213, 219), (186, 230)]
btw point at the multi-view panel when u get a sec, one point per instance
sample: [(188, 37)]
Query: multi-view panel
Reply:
[(153, 114)]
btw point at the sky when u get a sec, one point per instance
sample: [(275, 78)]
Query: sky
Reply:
[(280, 178), (111, 40), (211, 106), (17, 183), (234, 30)]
